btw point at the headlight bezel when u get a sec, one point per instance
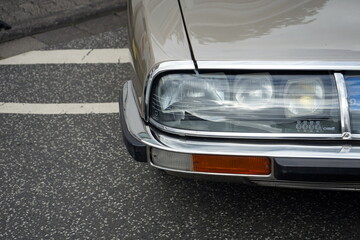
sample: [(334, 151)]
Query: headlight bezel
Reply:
[(222, 134)]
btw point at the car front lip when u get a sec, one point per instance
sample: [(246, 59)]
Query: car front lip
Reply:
[(337, 155)]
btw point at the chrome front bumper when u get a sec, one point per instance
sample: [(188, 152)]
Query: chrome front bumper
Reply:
[(295, 165)]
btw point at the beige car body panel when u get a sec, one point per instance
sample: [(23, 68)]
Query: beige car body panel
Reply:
[(276, 30), (157, 35)]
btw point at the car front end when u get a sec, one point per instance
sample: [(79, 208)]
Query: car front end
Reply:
[(270, 115)]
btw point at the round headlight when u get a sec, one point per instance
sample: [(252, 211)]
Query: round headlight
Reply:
[(304, 97), (253, 91), (190, 92)]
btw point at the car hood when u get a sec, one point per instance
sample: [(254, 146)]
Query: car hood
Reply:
[(280, 30)]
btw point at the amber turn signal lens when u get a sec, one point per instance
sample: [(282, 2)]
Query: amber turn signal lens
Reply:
[(231, 164)]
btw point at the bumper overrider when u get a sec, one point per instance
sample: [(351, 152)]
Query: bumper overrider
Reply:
[(296, 164)]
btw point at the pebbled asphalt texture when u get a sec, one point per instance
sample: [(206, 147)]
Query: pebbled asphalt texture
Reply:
[(36, 16), (70, 176), (71, 83), (114, 39)]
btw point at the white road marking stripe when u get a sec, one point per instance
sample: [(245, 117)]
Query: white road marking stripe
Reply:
[(63, 108), (70, 56)]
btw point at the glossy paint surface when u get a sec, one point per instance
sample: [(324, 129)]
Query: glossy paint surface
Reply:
[(157, 35), (277, 30)]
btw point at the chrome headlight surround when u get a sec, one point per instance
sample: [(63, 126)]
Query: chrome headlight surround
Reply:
[(301, 128)]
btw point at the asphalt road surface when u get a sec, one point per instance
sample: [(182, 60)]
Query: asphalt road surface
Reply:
[(69, 176)]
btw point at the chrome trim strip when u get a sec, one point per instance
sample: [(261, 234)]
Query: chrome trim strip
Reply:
[(243, 148), (355, 136), (278, 65), (132, 117), (159, 68), (194, 133), (344, 106)]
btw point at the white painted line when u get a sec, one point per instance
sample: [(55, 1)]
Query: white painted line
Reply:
[(63, 108), (71, 56)]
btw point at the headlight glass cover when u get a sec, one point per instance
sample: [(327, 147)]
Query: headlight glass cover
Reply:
[(251, 102)]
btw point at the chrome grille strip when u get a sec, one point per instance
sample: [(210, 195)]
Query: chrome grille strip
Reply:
[(344, 105)]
